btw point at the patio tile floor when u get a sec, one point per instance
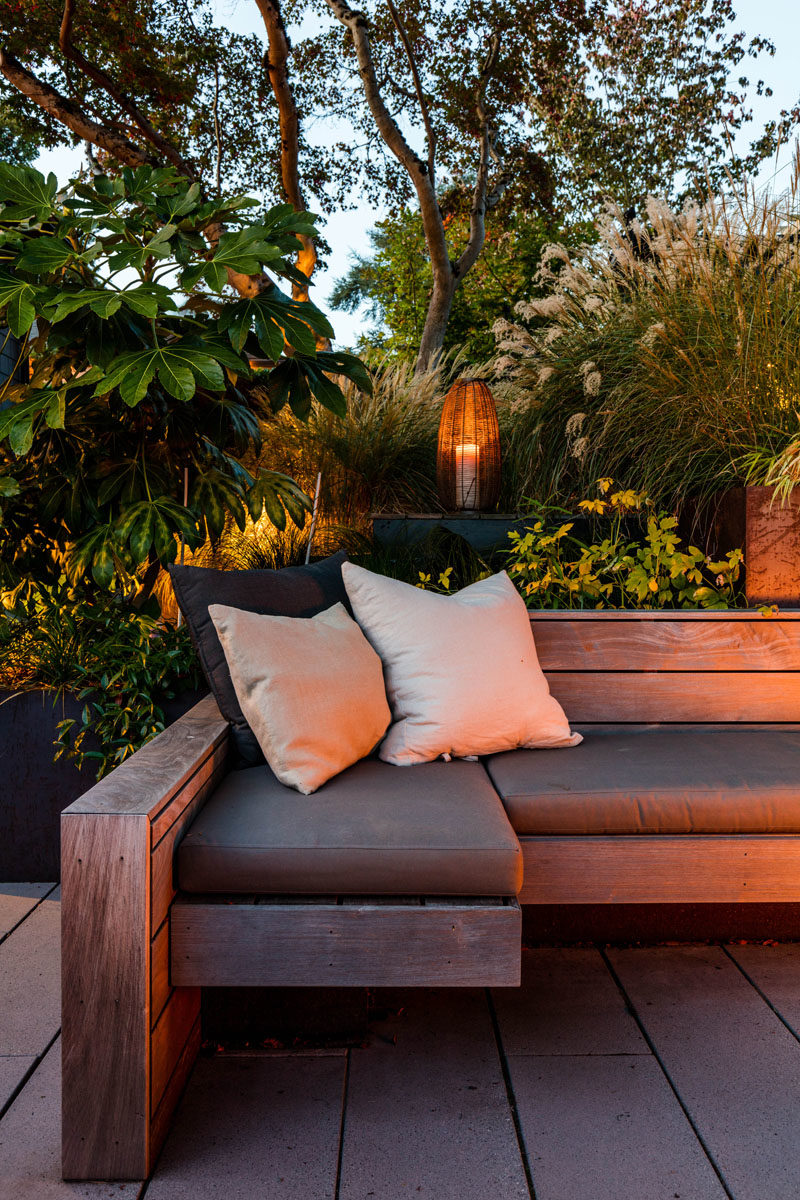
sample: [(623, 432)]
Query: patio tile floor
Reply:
[(660, 1073)]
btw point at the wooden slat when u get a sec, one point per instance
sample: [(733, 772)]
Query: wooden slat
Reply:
[(661, 869), (162, 1118), (146, 782), (652, 696), (160, 988), (663, 614), (668, 645), (170, 1035), (163, 883), (210, 767), (344, 946)]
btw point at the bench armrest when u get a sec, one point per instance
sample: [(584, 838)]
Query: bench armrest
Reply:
[(128, 1037)]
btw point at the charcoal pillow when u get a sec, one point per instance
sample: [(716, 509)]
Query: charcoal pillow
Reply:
[(292, 592)]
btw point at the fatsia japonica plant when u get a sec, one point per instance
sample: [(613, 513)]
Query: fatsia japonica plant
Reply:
[(158, 340)]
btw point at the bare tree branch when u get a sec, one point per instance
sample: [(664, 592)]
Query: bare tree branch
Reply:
[(217, 132), (67, 113), (357, 24), (477, 215), (423, 104), (104, 81), (289, 123)]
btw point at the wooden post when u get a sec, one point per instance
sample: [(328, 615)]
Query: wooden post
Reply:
[(129, 1038)]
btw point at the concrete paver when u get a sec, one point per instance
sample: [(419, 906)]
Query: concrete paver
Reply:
[(17, 900), (428, 1116), (607, 1128), (30, 981), (734, 1064), (13, 1069), (255, 1127), (568, 1004)]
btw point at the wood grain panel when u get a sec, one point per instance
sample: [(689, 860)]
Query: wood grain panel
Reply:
[(163, 884), (661, 869), (363, 945), (162, 1118), (159, 973), (105, 996), (652, 696), (170, 1035), (114, 973), (661, 614), (147, 781), (211, 767), (668, 645)]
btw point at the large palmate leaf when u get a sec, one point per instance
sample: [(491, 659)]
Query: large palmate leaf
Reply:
[(43, 256), (278, 494), (180, 368), (25, 193), (17, 304), (103, 303), (299, 380), (276, 319)]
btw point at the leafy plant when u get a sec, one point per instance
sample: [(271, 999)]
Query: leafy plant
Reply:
[(141, 369), (122, 663), (554, 569)]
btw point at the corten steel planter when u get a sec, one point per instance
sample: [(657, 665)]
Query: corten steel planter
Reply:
[(766, 530), (34, 789)]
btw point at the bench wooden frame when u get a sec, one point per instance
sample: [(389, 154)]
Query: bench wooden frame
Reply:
[(134, 954)]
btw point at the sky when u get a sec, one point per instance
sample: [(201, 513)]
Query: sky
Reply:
[(778, 20)]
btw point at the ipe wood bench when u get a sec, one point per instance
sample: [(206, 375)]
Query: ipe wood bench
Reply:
[(686, 789)]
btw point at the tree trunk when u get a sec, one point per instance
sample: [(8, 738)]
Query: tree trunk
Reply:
[(436, 318)]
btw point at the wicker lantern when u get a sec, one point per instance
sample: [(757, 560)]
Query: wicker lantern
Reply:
[(468, 456)]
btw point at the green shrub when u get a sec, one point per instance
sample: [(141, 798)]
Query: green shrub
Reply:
[(554, 569), (121, 662)]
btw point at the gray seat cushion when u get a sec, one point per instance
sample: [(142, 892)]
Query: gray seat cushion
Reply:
[(438, 828), (656, 780)]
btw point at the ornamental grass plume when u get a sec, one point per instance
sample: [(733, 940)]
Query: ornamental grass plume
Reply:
[(678, 337)]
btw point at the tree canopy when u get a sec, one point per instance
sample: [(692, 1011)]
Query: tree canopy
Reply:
[(526, 106)]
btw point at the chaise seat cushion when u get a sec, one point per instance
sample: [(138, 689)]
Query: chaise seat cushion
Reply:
[(376, 829), (655, 780)]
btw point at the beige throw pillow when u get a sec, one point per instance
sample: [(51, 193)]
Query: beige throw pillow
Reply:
[(461, 671), (311, 690)]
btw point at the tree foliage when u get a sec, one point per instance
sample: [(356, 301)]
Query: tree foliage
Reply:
[(141, 368), (393, 282), (535, 106)]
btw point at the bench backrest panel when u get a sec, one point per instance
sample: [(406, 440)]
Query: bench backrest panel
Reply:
[(697, 667)]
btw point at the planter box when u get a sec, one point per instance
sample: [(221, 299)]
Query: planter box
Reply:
[(767, 531), (35, 789)]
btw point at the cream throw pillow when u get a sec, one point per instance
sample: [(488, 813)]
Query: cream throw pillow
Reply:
[(461, 671), (311, 689)]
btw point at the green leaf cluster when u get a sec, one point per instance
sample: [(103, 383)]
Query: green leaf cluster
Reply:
[(627, 567), (122, 663), (119, 290)]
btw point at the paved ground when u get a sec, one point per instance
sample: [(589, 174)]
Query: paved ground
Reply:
[(670, 1073)]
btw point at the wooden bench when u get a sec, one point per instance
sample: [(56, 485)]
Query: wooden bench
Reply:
[(696, 669), (135, 953)]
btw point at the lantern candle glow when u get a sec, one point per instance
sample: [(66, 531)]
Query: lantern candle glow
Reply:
[(468, 454)]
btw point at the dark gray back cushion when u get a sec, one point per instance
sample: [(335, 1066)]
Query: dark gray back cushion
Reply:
[(292, 592)]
